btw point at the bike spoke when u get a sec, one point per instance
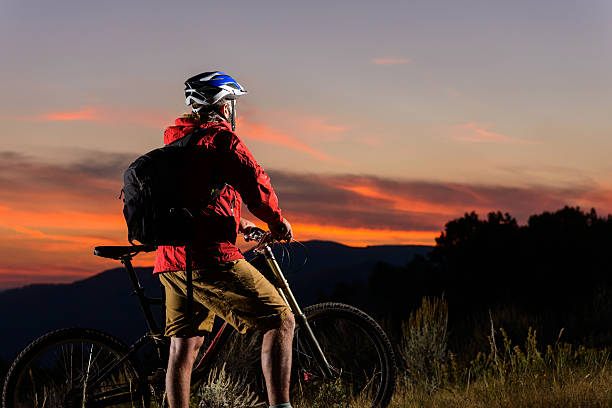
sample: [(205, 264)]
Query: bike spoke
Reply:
[(67, 374), (354, 354)]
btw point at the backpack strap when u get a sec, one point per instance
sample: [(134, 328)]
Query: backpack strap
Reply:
[(190, 140), (189, 273)]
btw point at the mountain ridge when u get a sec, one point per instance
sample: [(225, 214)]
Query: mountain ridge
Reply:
[(102, 301)]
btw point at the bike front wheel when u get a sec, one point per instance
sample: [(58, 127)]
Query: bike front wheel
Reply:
[(74, 368), (359, 354)]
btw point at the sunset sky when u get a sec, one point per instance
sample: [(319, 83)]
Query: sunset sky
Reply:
[(378, 122)]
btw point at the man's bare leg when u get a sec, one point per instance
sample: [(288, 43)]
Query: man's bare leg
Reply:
[(276, 360), (183, 351)]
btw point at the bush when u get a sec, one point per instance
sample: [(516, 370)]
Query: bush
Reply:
[(223, 391), (423, 346)]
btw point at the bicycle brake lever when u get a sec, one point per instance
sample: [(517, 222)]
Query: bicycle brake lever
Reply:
[(256, 234)]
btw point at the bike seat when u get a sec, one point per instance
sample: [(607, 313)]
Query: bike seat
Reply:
[(118, 252)]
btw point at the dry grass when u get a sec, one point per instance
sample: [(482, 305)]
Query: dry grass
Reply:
[(510, 376), (423, 352), (235, 379), (224, 391), (580, 389), (505, 376)]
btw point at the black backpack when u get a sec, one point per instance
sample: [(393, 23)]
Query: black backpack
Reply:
[(155, 195)]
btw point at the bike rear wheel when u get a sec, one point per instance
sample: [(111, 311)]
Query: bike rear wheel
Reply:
[(358, 351), (60, 369)]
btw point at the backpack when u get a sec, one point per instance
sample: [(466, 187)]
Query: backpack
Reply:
[(155, 194), (155, 204)]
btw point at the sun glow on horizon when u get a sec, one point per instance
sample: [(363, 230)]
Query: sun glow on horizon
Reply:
[(59, 246)]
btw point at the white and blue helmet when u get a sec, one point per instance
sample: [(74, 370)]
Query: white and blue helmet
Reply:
[(210, 88)]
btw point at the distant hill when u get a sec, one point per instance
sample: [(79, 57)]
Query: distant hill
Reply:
[(103, 302), (330, 263)]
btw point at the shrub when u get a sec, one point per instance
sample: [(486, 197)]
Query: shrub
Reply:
[(423, 347), (223, 391)]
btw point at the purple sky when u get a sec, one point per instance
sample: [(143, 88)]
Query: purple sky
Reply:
[(378, 121)]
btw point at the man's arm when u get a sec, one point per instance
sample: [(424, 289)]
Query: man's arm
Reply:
[(282, 231), (253, 184)]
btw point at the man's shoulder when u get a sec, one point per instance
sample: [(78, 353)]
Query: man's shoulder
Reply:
[(221, 134), (216, 127)]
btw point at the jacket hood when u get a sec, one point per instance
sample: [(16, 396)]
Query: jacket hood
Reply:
[(182, 127)]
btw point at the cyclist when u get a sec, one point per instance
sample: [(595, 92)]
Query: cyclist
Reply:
[(224, 283)]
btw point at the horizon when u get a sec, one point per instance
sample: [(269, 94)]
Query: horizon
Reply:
[(3, 289), (377, 123)]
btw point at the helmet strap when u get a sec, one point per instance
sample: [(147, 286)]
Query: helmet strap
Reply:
[(233, 115)]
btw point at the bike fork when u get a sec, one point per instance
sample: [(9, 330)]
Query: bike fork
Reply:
[(287, 295)]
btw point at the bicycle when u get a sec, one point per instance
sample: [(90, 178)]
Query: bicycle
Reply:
[(340, 354)]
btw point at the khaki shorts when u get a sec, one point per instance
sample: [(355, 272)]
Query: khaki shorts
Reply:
[(235, 291)]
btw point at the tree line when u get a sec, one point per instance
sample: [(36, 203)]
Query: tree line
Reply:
[(553, 273)]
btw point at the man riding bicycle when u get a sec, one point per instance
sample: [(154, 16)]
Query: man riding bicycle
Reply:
[(224, 283)]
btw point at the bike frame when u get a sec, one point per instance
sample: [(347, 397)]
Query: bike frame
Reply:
[(283, 288), (155, 334)]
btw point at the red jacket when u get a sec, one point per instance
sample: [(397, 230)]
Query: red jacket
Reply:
[(216, 231)]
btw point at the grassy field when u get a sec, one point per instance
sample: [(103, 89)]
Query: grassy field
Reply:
[(511, 376), (506, 375), (578, 389)]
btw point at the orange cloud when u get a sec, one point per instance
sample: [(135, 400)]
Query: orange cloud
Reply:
[(59, 237), (267, 134), (61, 219), (57, 246), (107, 114), (319, 124), (45, 273), (391, 61), (313, 128), (160, 119), (89, 113), (359, 237), (363, 236), (476, 132), (398, 202), (52, 216)]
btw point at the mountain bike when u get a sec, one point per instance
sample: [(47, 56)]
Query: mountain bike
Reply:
[(341, 356)]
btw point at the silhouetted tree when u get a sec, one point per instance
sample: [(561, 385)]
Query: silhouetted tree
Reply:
[(554, 272)]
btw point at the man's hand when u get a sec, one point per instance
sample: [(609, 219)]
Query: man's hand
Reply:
[(245, 226), (282, 232)]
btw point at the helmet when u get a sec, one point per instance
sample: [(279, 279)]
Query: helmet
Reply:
[(209, 88)]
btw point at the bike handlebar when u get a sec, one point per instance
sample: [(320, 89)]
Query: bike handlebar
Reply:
[(255, 234), (262, 237)]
